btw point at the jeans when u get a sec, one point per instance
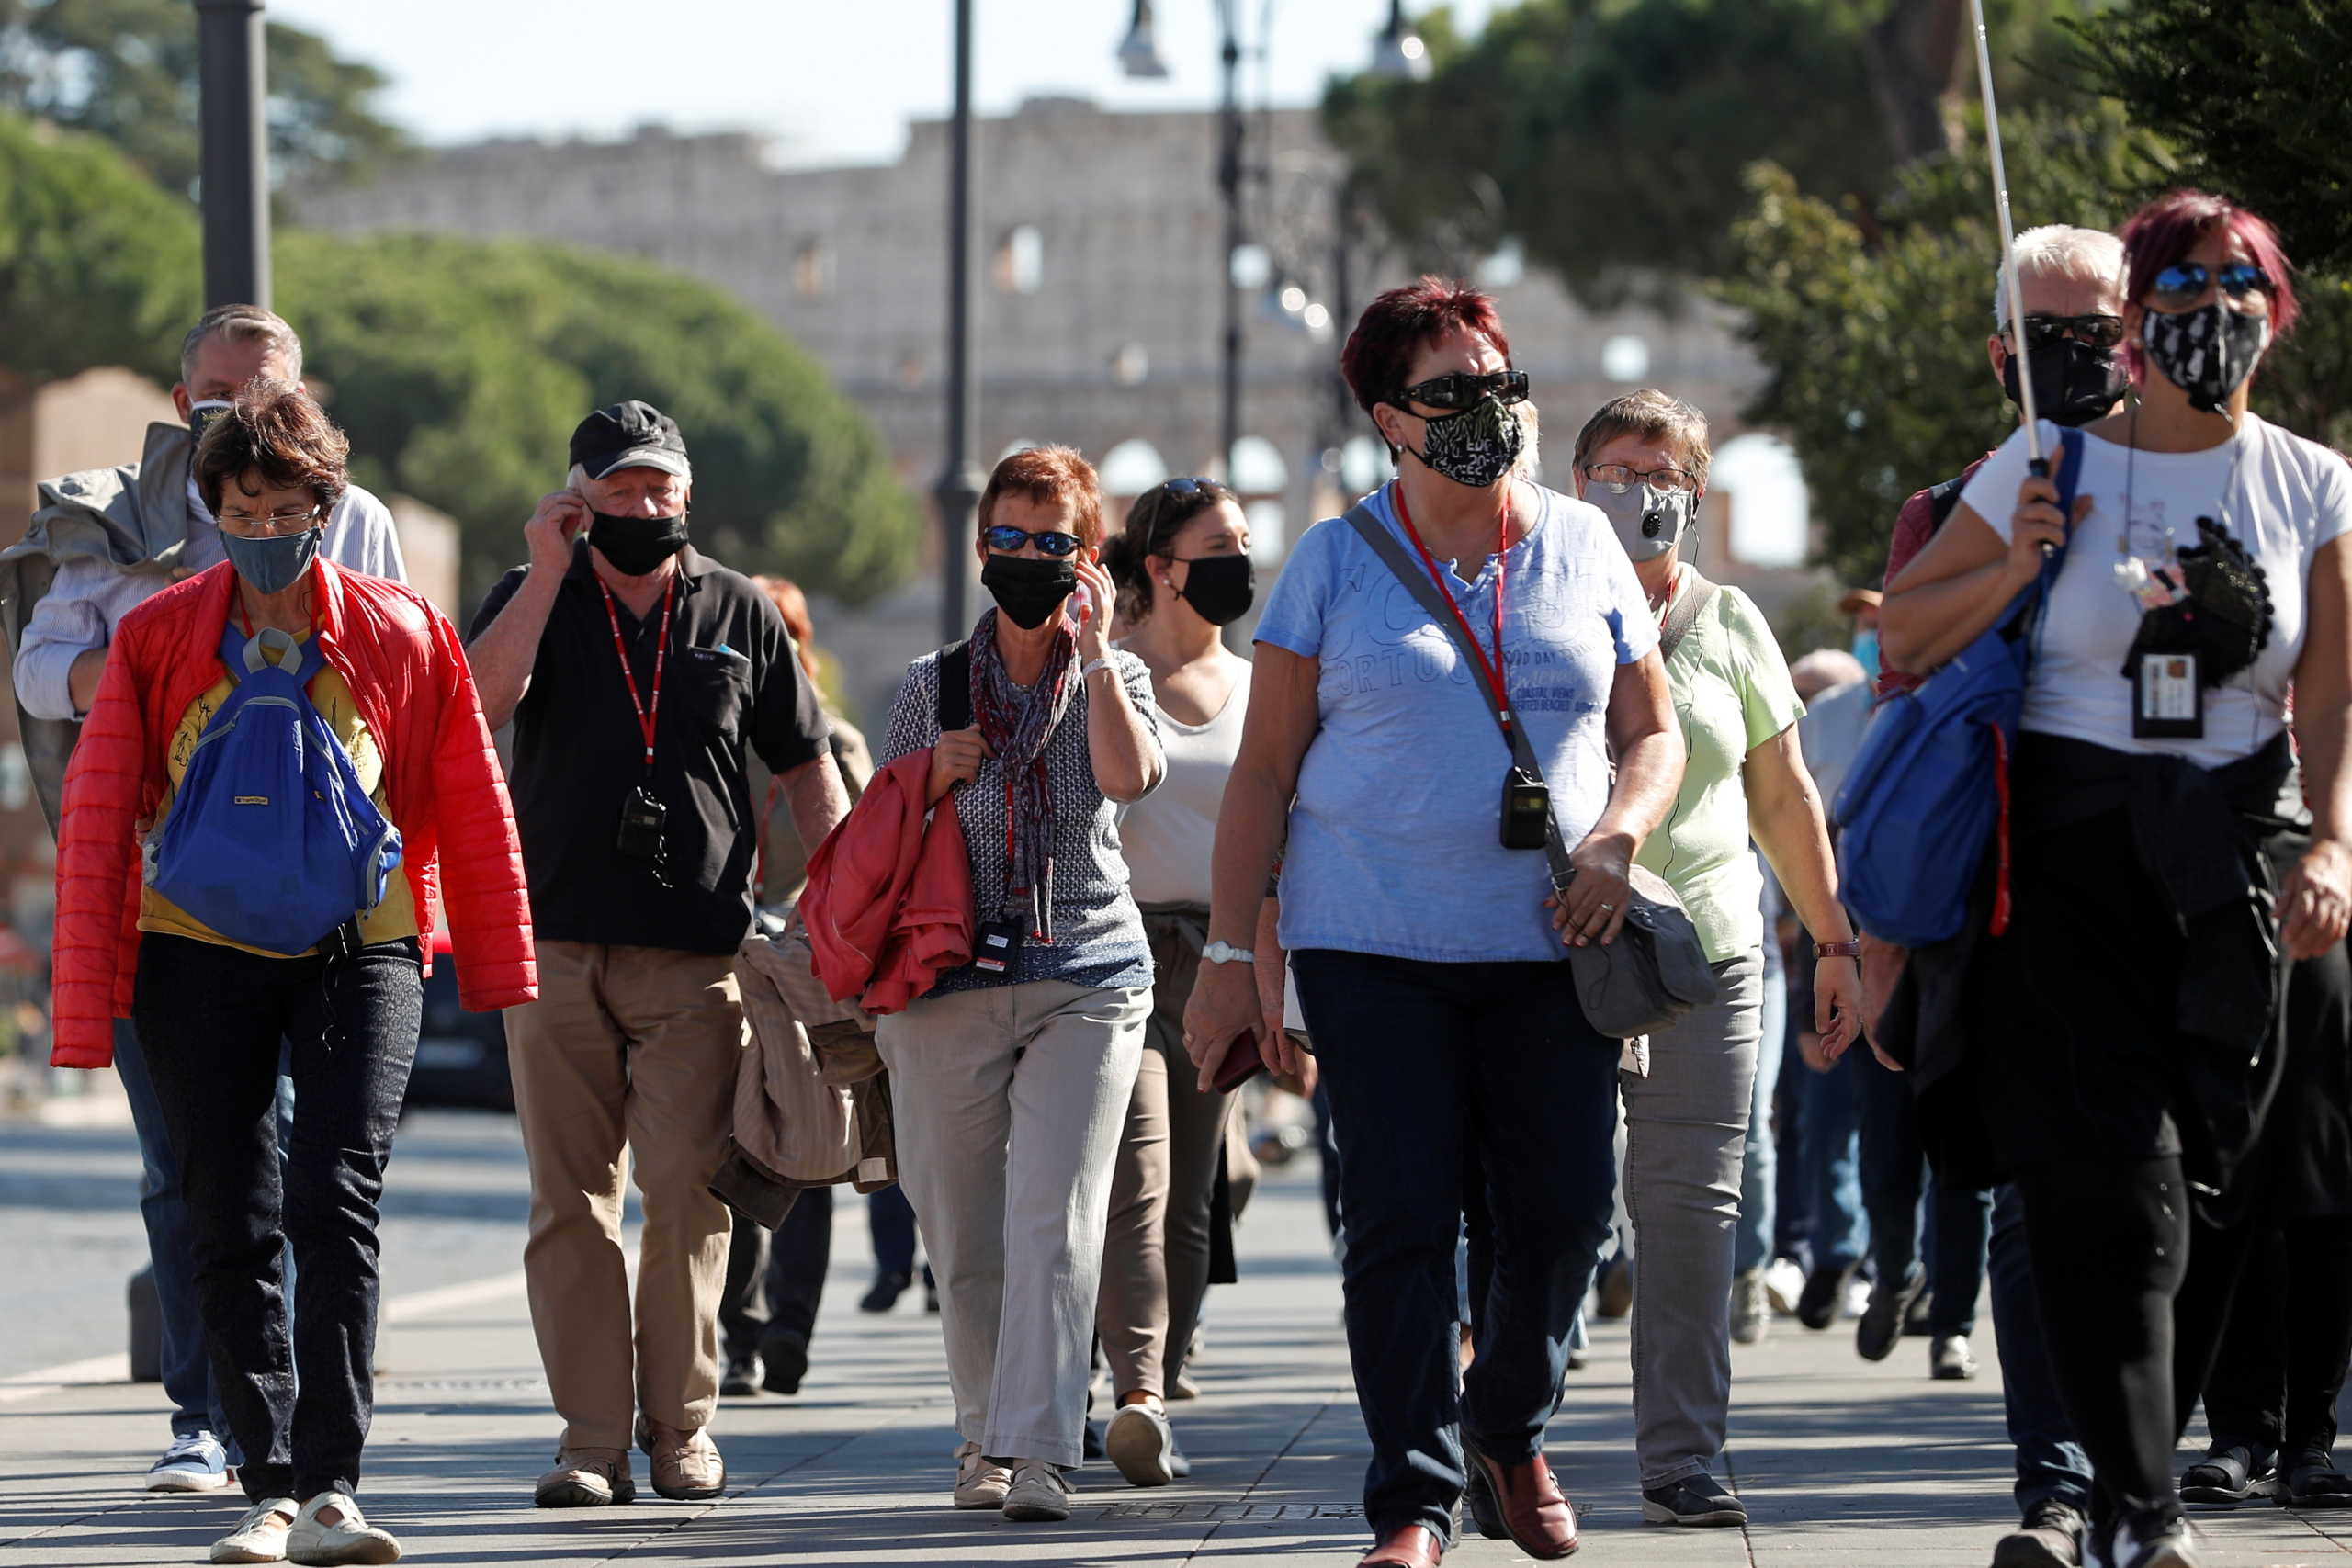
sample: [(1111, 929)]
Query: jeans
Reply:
[(1430, 1068), (774, 1280), (1896, 1191), (162, 1207), (1759, 1169), (1686, 1125), (2051, 1466), (890, 1222), (214, 1021), (1832, 1174)]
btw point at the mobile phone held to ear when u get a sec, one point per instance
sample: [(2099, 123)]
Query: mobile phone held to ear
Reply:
[(1241, 1062)]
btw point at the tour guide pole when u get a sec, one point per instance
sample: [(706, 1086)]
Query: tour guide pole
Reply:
[(2036, 461), (232, 93)]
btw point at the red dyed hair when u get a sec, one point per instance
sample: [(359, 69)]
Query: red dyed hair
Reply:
[(793, 605), (1050, 473), (1395, 327), (2168, 228)]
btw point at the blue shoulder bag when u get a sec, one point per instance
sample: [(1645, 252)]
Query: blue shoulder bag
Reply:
[(271, 841), (1928, 792)]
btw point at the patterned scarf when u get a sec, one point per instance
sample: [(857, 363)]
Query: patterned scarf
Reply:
[(1018, 725)]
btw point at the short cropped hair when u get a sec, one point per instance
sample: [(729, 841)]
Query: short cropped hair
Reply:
[(1653, 416), (1398, 325), (2059, 250), (279, 432), (242, 323), (1049, 473)]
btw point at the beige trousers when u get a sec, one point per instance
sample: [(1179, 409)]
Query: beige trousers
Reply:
[(627, 1058)]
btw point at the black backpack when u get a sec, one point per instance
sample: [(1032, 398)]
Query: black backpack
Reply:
[(954, 711)]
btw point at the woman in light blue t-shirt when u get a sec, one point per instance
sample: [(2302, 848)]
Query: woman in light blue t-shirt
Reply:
[(1428, 965)]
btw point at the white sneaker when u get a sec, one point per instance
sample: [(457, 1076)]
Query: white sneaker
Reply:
[(981, 1483), (1141, 1444), (260, 1536), (194, 1463), (2174, 1546), (350, 1539), (1783, 1283), (1039, 1493), (1751, 1307)]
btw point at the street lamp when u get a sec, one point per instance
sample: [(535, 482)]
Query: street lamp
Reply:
[(234, 151), (1401, 53), (958, 488), (1138, 53)]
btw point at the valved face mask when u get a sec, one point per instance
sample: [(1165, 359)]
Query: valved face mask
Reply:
[(1648, 521), (273, 566), (1476, 447), (1220, 589), (2072, 382), (1029, 589), (636, 545), (2207, 353)]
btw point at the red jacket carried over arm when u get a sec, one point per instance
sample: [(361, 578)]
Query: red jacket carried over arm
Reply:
[(442, 789)]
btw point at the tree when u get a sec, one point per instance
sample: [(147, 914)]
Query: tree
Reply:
[(126, 70), (458, 368), (2253, 92), (1610, 136)]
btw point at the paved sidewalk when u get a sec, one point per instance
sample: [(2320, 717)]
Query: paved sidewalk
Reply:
[(1842, 1464)]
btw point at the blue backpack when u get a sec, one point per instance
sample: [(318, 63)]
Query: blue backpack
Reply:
[(271, 841), (1929, 790)]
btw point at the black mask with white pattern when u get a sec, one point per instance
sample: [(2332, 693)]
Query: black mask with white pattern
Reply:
[(1475, 447), (2207, 353)]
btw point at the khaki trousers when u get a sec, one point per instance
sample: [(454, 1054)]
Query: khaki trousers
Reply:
[(629, 1055)]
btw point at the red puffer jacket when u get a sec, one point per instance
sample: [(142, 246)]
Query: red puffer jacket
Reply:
[(442, 789)]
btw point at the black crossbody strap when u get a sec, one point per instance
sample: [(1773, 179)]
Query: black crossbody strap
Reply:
[(1417, 581), (956, 687)]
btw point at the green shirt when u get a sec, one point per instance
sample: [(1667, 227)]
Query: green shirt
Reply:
[(1732, 693)]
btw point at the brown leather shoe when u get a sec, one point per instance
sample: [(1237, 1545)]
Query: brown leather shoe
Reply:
[(1411, 1546), (687, 1466), (1542, 1522)]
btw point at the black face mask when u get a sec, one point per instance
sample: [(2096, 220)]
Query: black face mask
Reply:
[(1027, 589), (2207, 353), (2072, 382), (636, 545), (1220, 589), (1475, 447)]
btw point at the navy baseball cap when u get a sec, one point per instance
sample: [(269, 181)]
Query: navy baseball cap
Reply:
[(629, 436)]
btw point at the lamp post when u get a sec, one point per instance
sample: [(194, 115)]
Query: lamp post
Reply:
[(1399, 52), (234, 158), (958, 490)]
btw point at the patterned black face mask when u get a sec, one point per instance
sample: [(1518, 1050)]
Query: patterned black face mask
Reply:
[(1475, 447), (2207, 353)]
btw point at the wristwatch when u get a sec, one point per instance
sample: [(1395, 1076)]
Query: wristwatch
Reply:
[(1838, 950), (1226, 953)]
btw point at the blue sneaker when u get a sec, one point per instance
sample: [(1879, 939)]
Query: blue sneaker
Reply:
[(195, 1462)]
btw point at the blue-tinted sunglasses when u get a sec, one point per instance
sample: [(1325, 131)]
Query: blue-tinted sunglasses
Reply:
[(2179, 287), (1007, 540), (1187, 487)]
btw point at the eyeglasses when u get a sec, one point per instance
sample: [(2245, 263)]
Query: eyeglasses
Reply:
[(1619, 478), (2182, 285), (245, 524), (1007, 540), (1461, 388), (2045, 332)]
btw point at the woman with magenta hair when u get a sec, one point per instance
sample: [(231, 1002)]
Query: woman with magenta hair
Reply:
[(2117, 1041)]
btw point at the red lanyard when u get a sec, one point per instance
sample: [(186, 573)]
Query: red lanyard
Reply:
[(1490, 675), (647, 713)]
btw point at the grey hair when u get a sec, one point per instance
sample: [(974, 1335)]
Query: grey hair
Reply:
[(242, 323), (577, 479), (2060, 250)]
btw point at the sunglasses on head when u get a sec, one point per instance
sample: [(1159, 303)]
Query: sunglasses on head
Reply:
[(1007, 540), (1462, 389), (2182, 285), (1187, 487), (2046, 331)]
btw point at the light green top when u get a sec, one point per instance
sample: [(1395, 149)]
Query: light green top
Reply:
[(1732, 693)]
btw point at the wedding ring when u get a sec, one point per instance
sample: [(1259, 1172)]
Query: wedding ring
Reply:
[(1610, 909)]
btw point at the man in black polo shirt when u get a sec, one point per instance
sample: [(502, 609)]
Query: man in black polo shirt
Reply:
[(639, 675)]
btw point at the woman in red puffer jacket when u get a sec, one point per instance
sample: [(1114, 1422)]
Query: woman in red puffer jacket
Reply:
[(211, 1010)]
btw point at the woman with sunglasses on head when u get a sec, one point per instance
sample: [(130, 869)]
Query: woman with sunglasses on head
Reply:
[(1011, 1076), (214, 984), (1420, 918), (1182, 566), (1642, 460), (2122, 1029)]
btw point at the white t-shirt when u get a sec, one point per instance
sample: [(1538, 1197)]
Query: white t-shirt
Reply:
[(2279, 495), (1168, 835)]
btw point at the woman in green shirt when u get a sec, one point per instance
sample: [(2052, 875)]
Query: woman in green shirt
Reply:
[(1643, 460)]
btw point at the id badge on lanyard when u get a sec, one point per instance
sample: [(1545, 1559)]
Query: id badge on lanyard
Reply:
[(2167, 699)]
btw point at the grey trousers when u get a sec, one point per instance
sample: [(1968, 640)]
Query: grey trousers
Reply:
[(1686, 1127), (1008, 1100)]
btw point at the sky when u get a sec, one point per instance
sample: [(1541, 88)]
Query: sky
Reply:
[(835, 81)]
